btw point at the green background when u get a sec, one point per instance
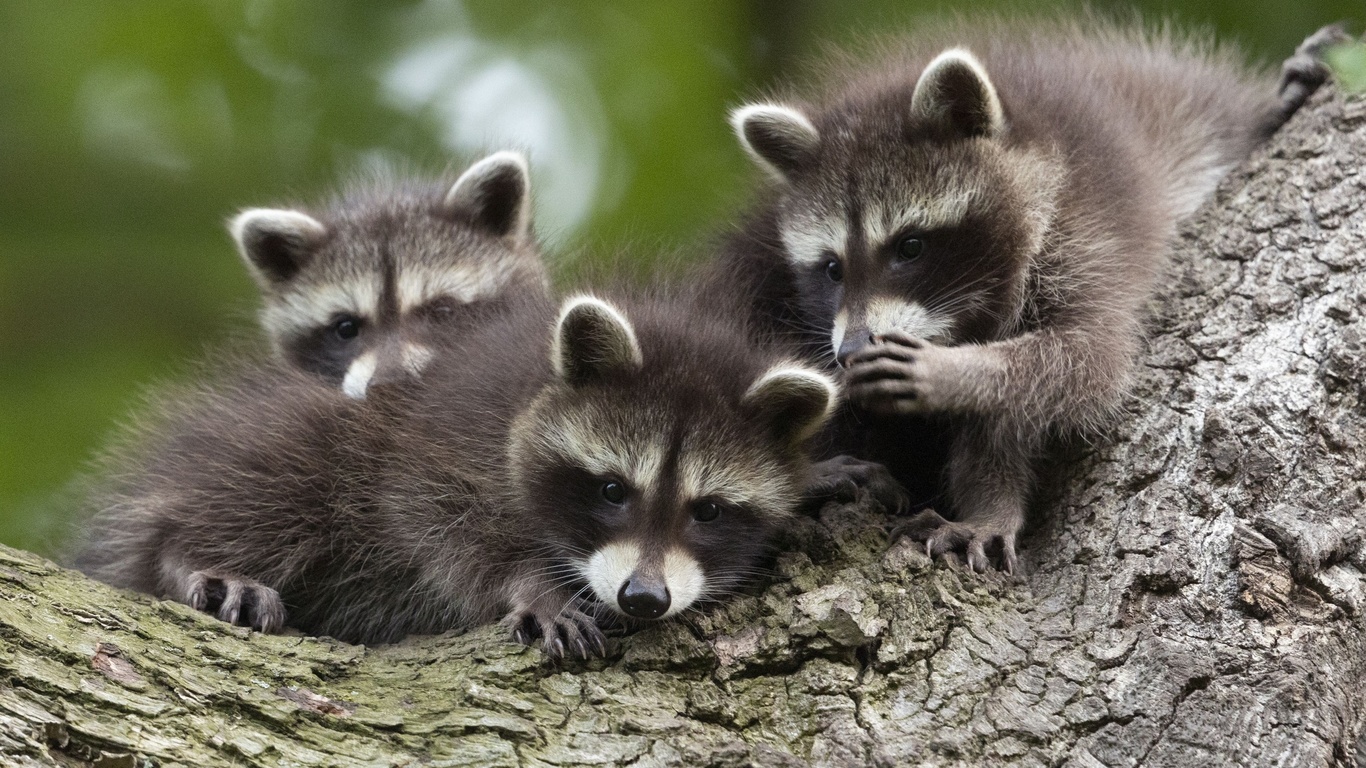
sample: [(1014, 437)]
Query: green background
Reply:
[(129, 130)]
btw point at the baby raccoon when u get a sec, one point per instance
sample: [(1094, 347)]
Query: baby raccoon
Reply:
[(356, 292), (972, 229), (615, 457)]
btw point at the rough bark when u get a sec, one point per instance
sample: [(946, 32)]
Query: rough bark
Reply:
[(1194, 592)]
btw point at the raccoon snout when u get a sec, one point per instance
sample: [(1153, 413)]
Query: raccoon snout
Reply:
[(643, 598), (852, 342)]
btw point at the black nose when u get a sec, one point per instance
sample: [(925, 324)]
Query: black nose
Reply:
[(643, 598), (852, 343)]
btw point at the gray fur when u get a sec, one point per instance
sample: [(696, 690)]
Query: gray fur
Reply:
[(266, 497), (359, 290), (976, 240)]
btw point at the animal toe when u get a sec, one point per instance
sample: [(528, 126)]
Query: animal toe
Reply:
[(230, 610)]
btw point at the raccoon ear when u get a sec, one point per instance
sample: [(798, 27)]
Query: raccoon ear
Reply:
[(796, 401), (780, 139), (495, 194), (591, 339), (275, 243), (955, 89)]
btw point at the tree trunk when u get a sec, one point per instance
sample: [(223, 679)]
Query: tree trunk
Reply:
[(1194, 591)]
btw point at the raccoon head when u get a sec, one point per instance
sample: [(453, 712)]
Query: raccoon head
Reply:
[(911, 212), (359, 295), (653, 477)]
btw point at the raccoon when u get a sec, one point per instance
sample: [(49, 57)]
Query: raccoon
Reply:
[(617, 457), (972, 227), (356, 292)]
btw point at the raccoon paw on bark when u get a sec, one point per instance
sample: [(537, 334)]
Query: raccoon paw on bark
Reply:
[(1305, 71), (239, 601), (973, 537), (563, 631), (845, 478)]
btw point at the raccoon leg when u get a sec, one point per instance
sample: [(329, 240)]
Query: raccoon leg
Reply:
[(232, 599), (844, 478), (1304, 72), (543, 611), (989, 477)]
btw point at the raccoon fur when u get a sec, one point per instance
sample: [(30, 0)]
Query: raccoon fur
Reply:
[(356, 292), (615, 456), (972, 226)]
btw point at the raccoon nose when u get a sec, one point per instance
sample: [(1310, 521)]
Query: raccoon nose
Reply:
[(852, 343), (643, 598)]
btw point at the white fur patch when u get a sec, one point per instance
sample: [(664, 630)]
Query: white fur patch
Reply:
[(637, 463), (309, 306), (359, 374), (789, 125), (837, 332), (626, 334), (925, 99), (888, 314), (684, 578), (277, 221), (608, 568), (758, 484), (810, 241), (414, 357), (885, 221), (465, 283)]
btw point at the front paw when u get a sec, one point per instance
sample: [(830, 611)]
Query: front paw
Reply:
[(845, 478), (897, 374), (568, 632), (976, 539), (235, 600)]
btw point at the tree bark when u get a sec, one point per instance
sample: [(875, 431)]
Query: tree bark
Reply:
[(1194, 590)]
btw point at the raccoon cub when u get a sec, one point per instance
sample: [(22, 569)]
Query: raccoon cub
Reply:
[(972, 227), (356, 292), (612, 457)]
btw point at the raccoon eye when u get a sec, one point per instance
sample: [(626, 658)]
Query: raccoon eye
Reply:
[(834, 270), (910, 248), (346, 327), (614, 492), (706, 511)]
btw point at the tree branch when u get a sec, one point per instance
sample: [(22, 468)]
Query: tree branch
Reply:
[(1194, 592)]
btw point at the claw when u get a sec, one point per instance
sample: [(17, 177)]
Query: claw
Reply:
[(231, 609), (554, 648), (198, 599), (944, 538), (977, 556)]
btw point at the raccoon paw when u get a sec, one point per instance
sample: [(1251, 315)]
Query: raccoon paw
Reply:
[(845, 478), (942, 536), (1304, 72), (897, 374), (237, 601), (570, 632)]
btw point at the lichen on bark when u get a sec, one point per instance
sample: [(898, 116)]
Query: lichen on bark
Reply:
[(1193, 590)]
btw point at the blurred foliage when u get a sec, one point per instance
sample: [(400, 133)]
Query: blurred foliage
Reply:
[(129, 129), (1349, 66)]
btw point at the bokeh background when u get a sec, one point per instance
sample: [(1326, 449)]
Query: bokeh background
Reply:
[(129, 130)]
